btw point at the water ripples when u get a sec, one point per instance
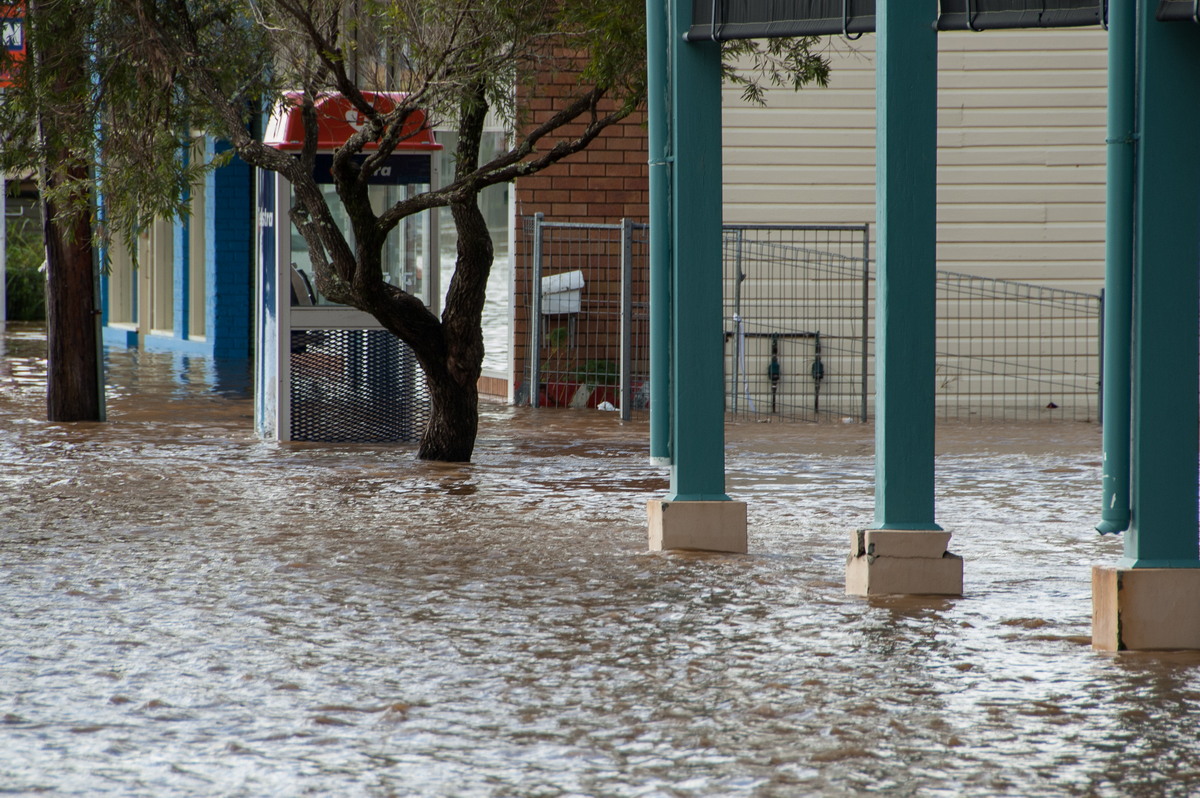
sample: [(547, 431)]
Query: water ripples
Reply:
[(187, 610)]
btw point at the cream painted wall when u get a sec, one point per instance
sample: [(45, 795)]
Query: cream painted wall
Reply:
[(1020, 153)]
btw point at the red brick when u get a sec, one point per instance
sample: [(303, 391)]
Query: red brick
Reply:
[(604, 183), (590, 169), (627, 170), (606, 210), (605, 156), (635, 145), (621, 196)]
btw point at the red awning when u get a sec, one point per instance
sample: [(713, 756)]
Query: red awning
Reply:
[(337, 120)]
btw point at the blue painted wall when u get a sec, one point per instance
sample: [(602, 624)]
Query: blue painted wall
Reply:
[(228, 233)]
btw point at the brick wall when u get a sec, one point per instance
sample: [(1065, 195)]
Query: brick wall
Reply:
[(601, 185)]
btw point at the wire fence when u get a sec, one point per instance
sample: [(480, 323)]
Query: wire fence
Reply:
[(589, 315), (799, 328), (797, 315), (1015, 351)]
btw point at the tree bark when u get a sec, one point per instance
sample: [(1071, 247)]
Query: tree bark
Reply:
[(73, 375), (453, 419), (454, 383), (58, 54)]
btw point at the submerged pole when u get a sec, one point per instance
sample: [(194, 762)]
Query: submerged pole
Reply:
[(906, 551), (1162, 530), (906, 208), (697, 351), (1118, 263), (1148, 600), (696, 513), (658, 113)]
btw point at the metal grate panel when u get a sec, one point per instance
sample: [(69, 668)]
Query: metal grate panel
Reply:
[(591, 290), (355, 386), (797, 320)]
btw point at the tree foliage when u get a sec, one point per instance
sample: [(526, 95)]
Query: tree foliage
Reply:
[(754, 66), (166, 69)]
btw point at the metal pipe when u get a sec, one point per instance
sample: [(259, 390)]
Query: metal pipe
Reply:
[(738, 276), (535, 314), (866, 310), (1100, 341), (626, 368), (1118, 266), (658, 112), (818, 374)]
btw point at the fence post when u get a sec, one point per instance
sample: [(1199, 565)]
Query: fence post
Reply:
[(626, 319), (737, 315), (535, 313), (866, 313), (4, 255), (1100, 381)]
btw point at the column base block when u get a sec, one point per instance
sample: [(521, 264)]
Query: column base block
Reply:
[(905, 562), (698, 526), (1145, 609)]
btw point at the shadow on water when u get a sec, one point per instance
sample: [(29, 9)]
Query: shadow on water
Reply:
[(188, 610)]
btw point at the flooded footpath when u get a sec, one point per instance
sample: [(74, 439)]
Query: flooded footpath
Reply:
[(188, 610)]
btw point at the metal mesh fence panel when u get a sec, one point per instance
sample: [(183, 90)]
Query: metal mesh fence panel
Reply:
[(589, 292), (355, 386), (796, 318), (1015, 351), (799, 306)]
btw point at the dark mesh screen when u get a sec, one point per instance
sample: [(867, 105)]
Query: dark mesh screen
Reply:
[(1178, 11), (355, 386), (745, 19)]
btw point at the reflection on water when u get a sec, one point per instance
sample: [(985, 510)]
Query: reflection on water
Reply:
[(185, 609)]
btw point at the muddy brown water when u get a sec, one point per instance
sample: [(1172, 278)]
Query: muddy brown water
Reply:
[(187, 610)]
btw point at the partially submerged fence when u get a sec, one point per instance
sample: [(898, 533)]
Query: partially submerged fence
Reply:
[(797, 313), (589, 315), (799, 328), (1015, 351)]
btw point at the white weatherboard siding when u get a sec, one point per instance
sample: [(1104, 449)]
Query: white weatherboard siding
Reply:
[(1020, 153), (1021, 131)]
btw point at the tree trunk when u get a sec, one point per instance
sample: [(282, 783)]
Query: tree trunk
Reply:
[(453, 419), (58, 55), (454, 387), (72, 380)]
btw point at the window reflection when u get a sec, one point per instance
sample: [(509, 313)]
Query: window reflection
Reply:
[(405, 253)]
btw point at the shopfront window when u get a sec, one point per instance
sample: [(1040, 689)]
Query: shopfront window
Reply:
[(405, 254)]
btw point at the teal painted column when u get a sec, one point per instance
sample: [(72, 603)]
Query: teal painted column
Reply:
[(697, 390), (906, 210), (1163, 530), (1118, 261), (658, 119)]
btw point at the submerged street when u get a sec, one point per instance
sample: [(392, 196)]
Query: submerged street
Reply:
[(188, 610)]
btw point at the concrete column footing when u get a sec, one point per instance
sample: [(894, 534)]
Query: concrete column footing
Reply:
[(698, 525), (905, 562), (1145, 609)]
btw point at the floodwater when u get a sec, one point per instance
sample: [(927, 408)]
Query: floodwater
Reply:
[(186, 610)]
